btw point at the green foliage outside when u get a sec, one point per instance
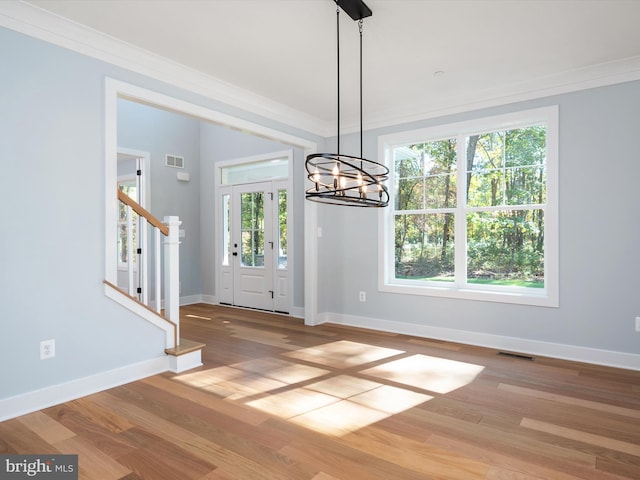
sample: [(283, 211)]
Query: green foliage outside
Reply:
[(252, 229), (505, 181), (282, 228)]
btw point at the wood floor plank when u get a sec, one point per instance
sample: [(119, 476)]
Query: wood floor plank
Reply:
[(160, 459), (207, 450), (237, 411), (92, 462), (46, 427), (101, 416), (71, 415), (580, 436), (417, 456), (21, 439), (599, 406), (502, 466)]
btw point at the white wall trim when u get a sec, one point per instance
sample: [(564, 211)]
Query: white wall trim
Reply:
[(54, 395), (209, 299), (190, 300), (499, 342)]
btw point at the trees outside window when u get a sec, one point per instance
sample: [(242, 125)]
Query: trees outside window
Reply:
[(474, 209)]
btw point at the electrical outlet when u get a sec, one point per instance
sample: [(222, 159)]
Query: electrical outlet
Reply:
[(47, 349), (363, 296), (637, 324)]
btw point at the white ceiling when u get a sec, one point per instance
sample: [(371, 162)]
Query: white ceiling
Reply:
[(489, 50)]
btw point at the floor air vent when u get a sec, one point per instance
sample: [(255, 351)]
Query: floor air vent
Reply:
[(516, 355)]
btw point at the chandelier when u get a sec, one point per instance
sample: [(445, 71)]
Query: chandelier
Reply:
[(340, 179)]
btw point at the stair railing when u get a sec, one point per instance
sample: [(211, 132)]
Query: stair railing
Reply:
[(167, 268)]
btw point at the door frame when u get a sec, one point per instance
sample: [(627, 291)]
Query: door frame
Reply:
[(220, 190)]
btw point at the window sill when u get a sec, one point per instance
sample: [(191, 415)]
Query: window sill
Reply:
[(541, 298)]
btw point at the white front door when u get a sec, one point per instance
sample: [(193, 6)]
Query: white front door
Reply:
[(252, 245), (254, 269)]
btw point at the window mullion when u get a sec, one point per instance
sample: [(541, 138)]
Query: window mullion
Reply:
[(460, 219)]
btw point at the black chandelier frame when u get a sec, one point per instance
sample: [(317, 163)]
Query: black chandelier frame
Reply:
[(340, 179)]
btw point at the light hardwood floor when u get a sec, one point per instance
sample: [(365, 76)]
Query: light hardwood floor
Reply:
[(278, 400)]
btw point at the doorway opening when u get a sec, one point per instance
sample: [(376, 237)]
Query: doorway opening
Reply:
[(115, 90), (254, 258)]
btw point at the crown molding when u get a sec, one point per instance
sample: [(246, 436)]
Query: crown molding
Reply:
[(49, 27), (601, 75)]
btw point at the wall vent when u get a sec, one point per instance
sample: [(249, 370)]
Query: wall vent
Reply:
[(174, 161)]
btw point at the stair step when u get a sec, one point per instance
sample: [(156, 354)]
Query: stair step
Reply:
[(186, 346)]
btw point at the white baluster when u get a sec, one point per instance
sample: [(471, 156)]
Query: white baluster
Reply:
[(172, 273), (143, 259), (158, 273)]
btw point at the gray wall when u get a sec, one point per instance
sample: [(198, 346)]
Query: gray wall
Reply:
[(599, 225), (52, 251), (159, 132)]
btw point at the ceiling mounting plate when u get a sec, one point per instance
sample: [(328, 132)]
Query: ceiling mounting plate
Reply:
[(356, 9)]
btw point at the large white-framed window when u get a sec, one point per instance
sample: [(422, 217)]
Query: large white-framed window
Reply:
[(474, 210)]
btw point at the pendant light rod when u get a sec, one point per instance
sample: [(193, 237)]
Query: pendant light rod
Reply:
[(338, 63), (360, 29)]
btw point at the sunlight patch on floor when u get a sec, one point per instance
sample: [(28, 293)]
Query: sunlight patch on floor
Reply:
[(343, 354), (293, 402), (197, 316), (250, 378), (282, 370), (427, 373), (339, 405), (210, 376), (261, 336), (390, 399), (245, 386), (339, 418)]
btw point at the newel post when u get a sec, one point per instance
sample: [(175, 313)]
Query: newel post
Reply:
[(172, 273)]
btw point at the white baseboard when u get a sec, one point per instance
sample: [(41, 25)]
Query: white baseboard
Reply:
[(37, 400), (521, 345), (190, 299), (297, 312), (210, 299)]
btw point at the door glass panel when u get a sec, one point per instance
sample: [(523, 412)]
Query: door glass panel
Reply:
[(226, 229), (252, 229), (282, 229)]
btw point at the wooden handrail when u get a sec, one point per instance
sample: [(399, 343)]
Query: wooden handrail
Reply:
[(127, 200)]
